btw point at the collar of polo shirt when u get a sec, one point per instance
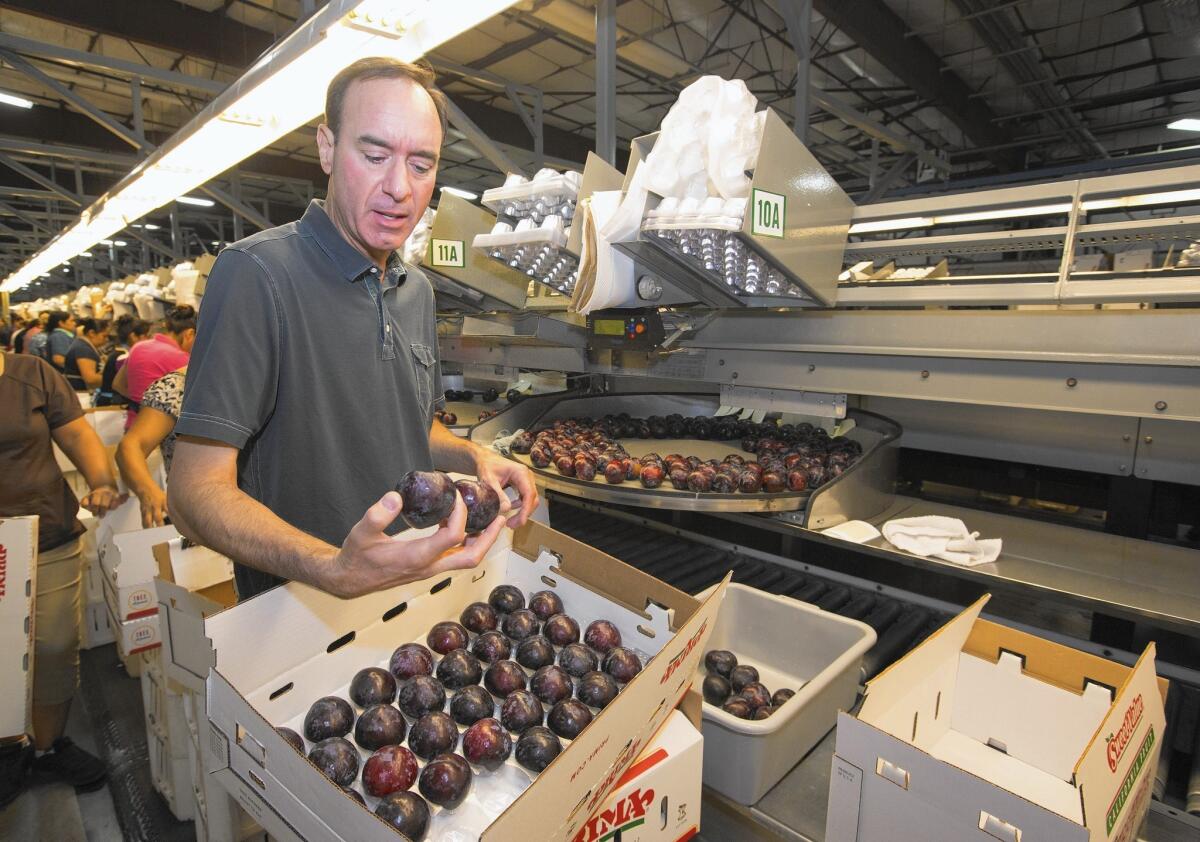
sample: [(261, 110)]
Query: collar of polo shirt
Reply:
[(351, 263)]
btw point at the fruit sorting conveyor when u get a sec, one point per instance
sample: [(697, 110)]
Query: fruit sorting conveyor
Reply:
[(693, 566)]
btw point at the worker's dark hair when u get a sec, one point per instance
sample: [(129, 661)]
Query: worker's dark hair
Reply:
[(94, 325), (179, 319), (128, 326), (379, 67), (56, 318)]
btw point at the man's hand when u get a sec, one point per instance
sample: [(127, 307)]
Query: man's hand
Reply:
[(500, 473), (153, 502), (371, 560), (100, 501)]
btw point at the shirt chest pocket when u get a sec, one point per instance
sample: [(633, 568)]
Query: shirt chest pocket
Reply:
[(423, 363)]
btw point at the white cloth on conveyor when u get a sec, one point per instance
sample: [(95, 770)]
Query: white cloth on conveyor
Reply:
[(946, 538)]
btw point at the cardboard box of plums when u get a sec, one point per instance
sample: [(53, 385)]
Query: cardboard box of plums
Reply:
[(506, 702)]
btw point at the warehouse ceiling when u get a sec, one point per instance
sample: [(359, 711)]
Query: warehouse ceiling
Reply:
[(904, 92)]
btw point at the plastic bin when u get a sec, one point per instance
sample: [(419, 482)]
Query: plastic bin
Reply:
[(795, 646)]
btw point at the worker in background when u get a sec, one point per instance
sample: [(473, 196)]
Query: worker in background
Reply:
[(82, 361), (149, 361), (315, 375), (60, 331), (36, 340), (154, 428), (129, 331), (38, 409)]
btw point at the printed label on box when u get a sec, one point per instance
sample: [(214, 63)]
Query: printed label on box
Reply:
[(768, 212), (448, 253)]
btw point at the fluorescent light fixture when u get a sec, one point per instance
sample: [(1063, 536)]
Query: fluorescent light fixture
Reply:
[(1187, 124), (458, 191), (284, 90), (1166, 197), (13, 99), (120, 243), (193, 200), (891, 224), (85, 254), (215, 243), (149, 226)]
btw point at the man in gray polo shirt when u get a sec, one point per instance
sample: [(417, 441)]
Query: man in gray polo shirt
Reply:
[(315, 373)]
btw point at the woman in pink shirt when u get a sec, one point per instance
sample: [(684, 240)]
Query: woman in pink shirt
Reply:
[(150, 360)]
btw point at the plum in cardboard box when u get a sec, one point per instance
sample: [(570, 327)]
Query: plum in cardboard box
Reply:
[(984, 731), (279, 652), (18, 584)]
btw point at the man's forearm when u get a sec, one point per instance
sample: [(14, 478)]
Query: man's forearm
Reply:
[(450, 452), (236, 525)]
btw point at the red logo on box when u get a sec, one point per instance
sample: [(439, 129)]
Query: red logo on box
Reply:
[(626, 814), (143, 634), (676, 662), (3, 570), (1118, 742)]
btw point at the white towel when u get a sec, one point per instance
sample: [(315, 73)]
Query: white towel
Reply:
[(946, 538)]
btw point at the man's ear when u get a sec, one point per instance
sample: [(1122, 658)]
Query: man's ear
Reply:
[(325, 144)]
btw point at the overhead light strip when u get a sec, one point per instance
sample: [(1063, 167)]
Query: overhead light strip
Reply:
[(284, 90)]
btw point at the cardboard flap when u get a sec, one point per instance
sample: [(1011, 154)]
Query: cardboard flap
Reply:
[(624, 583), (194, 568), (1050, 662), (918, 689), (564, 799), (1117, 768)]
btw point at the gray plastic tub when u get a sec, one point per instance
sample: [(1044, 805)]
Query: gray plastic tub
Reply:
[(793, 645)]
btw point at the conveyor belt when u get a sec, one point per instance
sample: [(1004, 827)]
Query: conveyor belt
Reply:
[(693, 566)]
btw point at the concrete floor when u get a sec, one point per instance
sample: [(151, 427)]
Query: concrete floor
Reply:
[(55, 812)]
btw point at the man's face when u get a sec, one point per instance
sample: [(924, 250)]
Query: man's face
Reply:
[(382, 165), (69, 324)]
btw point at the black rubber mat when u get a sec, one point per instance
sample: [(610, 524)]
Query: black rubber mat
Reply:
[(113, 702), (692, 567)]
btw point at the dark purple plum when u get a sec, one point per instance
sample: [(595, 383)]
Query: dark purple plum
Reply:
[(293, 739), (407, 812), (458, 669), (520, 624), (551, 684), (428, 497), (329, 716), (521, 710), (535, 652), (356, 795), (506, 598), (537, 747), (483, 504), (781, 696), (420, 695), (741, 675), (445, 780), (739, 707), (409, 660), (390, 769), (622, 664), (720, 662), (491, 646), (756, 694), (596, 689), (545, 604), (372, 686), (479, 617), (379, 726), (487, 744), (568, 718), (717, 689), (577, 659), (337, 760), (561, 630), (471, 704), (602, 636), (433, 734), (763, 712), (503, 678), (447, 636)]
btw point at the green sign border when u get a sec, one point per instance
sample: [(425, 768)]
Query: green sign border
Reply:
[(783, 220)]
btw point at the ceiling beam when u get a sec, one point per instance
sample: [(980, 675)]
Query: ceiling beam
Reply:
[(208, 35), (877, 29)]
